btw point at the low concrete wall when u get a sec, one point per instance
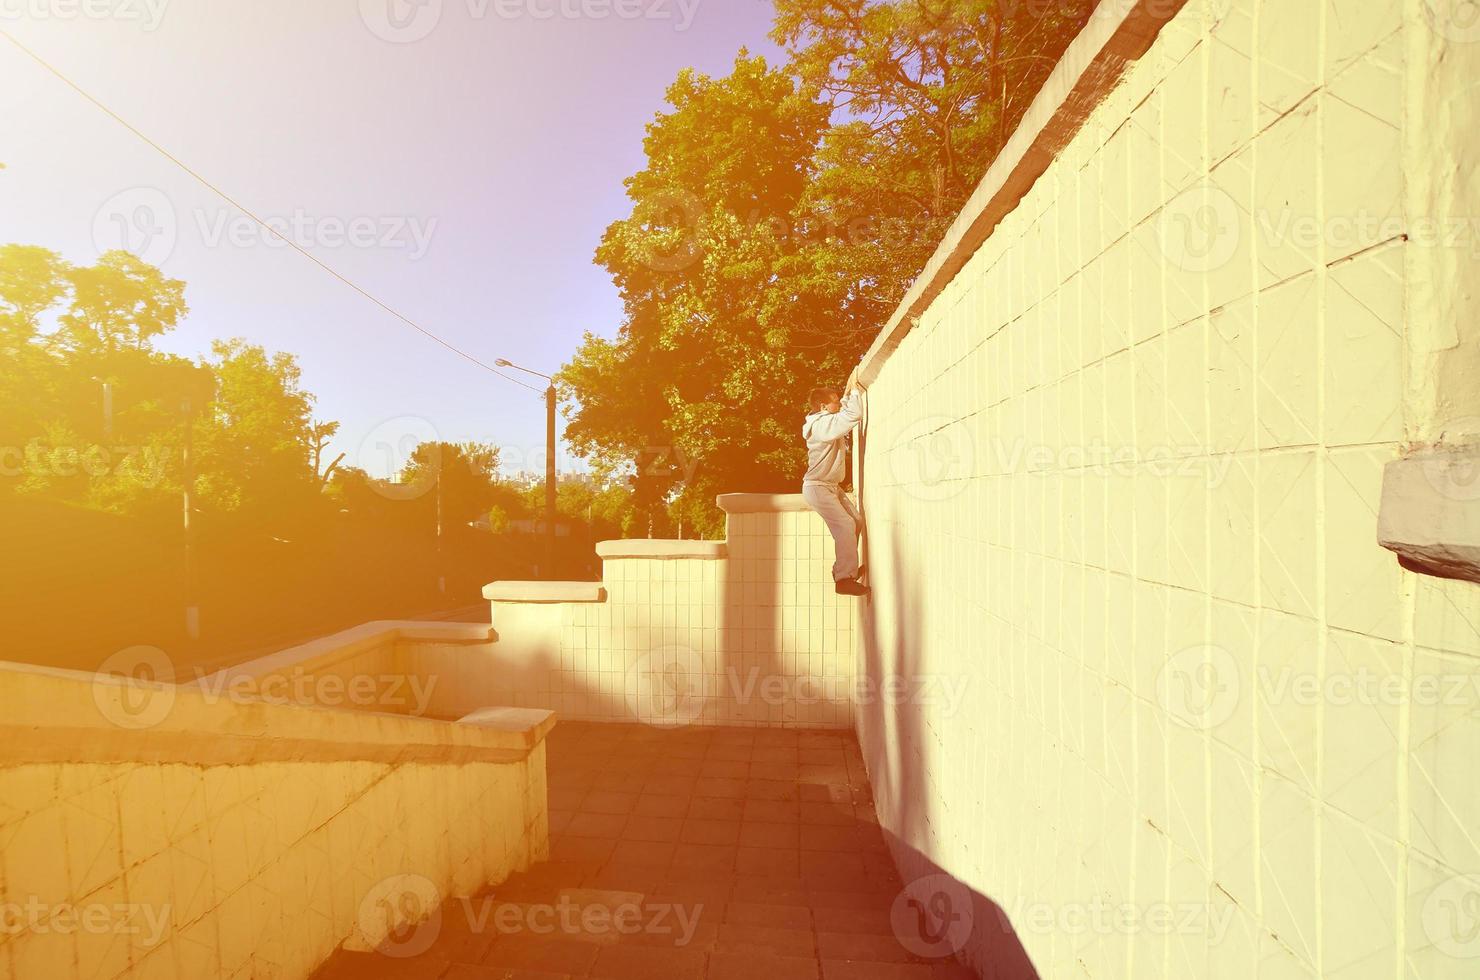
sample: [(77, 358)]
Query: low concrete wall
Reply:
[(405, 667), (153, 830), (746, 631), (742, 632)]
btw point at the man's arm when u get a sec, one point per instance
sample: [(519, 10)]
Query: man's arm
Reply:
[(842, 422)]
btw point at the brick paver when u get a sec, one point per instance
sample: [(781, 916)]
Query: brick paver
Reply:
[(691, 854)]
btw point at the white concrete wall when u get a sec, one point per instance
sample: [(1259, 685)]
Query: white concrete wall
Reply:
[(753, 637), (1122, 480), (149, 831), (743, 632)]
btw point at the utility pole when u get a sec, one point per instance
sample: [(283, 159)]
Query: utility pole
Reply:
[(441, 557), (550, 481), (192, 611), (549, 563), (107, 406)]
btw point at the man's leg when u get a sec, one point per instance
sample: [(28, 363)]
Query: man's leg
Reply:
[(852, 509), (842, 522)]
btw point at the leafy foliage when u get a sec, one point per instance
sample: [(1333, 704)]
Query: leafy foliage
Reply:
[(89, 412), (926, 93), (703, 352), (256, 440), (779, 221)]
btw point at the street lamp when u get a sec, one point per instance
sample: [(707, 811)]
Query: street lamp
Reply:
[(549, 462), (107, 406)]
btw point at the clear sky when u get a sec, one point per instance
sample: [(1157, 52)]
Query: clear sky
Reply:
[(457, 158)]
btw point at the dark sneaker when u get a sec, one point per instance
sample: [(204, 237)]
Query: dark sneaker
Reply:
[(850, 586)]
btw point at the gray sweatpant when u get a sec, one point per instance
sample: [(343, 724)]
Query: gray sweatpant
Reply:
[(842, 519)]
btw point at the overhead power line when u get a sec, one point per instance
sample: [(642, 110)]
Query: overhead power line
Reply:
[(214, 189)]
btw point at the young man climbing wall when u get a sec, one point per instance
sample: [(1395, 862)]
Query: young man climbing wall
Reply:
[(830, 421)]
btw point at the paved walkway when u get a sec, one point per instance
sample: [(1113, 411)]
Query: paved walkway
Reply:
[(718, 853)]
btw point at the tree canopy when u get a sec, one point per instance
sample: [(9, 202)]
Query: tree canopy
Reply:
[(781, 216)]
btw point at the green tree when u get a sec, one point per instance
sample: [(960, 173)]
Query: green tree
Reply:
[(780, 218), (686, 396), (253, 447), (117, 451), (595, 501), (464, 475), (122, 301), (926, 94), (498, 519), (319, 436), (32, 280)]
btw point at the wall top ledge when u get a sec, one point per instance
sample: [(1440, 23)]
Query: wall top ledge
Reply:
[(760, 503), (659, 548), (536, 721), (347, 644), (544, 592), (1119, 32), (48, 714)]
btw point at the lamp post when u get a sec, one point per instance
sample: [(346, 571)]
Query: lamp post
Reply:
[(549, 462), (192, 607), (107, 406)]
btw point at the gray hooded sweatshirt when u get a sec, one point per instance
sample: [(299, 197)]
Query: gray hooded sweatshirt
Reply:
[(827, 440)]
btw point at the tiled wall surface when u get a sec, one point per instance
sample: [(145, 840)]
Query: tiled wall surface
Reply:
[(754, 638), (1122, 482)]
